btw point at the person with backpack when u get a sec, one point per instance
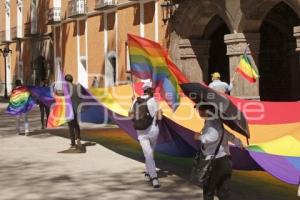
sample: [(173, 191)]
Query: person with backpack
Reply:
[(145, 113)]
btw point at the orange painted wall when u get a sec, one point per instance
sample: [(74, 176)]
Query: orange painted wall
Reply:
[(129, 22), (42, 12), (1, 72), (64, 8), (2, 16), (82, 37), (91, 5), (95, 47), (13, 14), (162, 28), (69, 49), (149, 20), (26, 11), (58, 41), (26, 57), (111, 32), (13, 62)]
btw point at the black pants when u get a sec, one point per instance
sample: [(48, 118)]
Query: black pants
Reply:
[(44, 109), (219, 179), (74, 130)]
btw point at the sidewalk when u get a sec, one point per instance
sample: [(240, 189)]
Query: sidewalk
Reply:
[(31, 169)]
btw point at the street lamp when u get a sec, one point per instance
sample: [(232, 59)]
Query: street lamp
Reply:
[(5, 53), (168, 8)]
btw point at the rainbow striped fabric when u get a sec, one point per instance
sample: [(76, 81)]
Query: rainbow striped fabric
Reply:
[(61, 111), (148, 60), (20, 101), (246, 69)]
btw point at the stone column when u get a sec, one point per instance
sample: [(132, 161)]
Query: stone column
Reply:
[(297, 35), (194, 56), (236, 44)]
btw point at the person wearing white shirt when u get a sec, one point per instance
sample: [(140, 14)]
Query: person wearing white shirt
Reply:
[(219, 85), (210, 137), (148, 137)]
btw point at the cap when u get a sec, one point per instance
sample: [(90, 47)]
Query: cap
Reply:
[(216, 75), (147, 84)]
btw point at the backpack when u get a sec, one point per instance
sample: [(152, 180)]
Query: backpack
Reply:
[(142, 118)]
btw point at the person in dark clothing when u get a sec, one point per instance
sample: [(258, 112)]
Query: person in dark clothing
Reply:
[(210, 137), (74, 127), (43, 108)]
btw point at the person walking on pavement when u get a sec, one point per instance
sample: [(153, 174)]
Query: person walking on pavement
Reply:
[(210, 138), (146, 113), (19, 104), (219, 85), (43, 108), (74, 128)]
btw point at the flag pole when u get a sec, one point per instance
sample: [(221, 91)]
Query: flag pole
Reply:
[(235, 73)]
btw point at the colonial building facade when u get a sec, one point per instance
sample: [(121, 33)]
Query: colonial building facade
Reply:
[(87, 38)]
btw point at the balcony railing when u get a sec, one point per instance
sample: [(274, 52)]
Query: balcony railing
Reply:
[(76, 8), (54, 15), (105, 4)]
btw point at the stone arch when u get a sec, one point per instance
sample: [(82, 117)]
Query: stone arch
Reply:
[(193, 16), (278, 60), (218, 61), (254, 12)]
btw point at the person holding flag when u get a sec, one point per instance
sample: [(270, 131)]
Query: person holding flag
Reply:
[(20, 103), (219, 85), (151, 63), (146, 113)]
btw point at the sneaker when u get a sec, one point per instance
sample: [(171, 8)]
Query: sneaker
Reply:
[(78, 144), (155, 182), (27, 133), (147, 177)]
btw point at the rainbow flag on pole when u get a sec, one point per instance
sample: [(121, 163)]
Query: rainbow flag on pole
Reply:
[(246, 68), (148, 60), (61, 111)]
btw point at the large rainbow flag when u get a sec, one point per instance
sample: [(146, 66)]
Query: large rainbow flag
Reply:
[(246, 68), (148, 60), (20, 101), (275, 135), (61, 111)]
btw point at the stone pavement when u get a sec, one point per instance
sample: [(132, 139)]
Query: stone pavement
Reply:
[(31, 169)]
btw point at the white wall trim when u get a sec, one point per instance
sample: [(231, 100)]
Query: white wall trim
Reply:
[(86, 50), (78, 49), (117, 46), (142, 20), (105, 48), (54, 50), (156, 21)]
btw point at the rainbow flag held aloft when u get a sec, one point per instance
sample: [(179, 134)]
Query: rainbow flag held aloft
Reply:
[(246, 68), (20, 101), (148, 60), (61, 111)]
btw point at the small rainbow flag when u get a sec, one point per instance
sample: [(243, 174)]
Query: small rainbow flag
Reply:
[(20, 101), (148, 60), (246, 68), (61, 111)]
